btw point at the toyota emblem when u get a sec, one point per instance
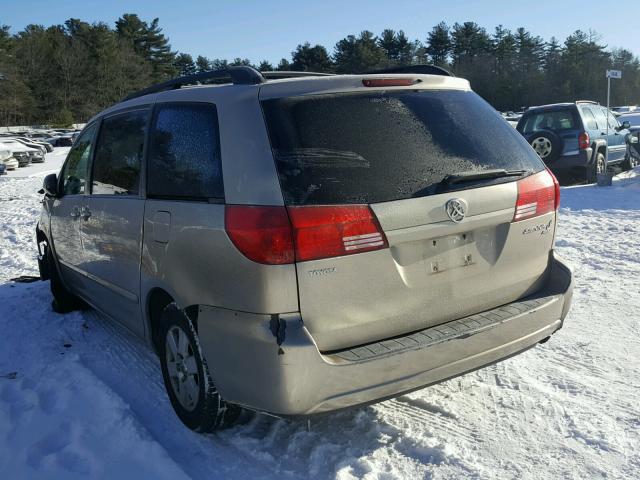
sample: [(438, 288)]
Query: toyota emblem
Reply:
[(456, 209)]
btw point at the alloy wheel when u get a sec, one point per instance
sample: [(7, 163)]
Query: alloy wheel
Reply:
[(542, 146), (182, 367)]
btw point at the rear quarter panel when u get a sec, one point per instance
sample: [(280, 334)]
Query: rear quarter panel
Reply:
[(190, 256)]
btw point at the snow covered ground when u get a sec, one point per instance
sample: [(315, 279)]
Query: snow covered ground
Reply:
[(80, 397)]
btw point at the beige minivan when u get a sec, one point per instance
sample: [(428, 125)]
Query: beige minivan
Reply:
[(298, 243)]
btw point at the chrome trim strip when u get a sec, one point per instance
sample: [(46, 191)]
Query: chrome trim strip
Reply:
[(364, 245), (364, 240), (357, 237)]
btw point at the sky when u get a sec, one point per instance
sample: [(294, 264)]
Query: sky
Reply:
[(270, 30)]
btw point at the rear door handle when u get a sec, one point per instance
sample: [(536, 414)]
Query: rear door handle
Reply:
[(85, 213)]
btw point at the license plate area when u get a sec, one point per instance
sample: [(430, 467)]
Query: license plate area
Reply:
[(446, 253)]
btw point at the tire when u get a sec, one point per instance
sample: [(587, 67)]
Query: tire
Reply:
[(191, 390), (63, 300), (599, 166), (547, 145), (629, 162)]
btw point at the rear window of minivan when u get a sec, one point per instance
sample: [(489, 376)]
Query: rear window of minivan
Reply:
[(386, 145)]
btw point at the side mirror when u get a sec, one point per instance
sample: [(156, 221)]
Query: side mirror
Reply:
[(624, 125), (50, 185)]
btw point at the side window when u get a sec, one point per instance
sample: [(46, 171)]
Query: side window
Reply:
[(601, 119), (116, 166), (613, 121), (184, 153), (589, 118), (74, 173)]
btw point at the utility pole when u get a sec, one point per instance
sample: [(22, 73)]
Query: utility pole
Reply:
[(604, 178), (611, 74)]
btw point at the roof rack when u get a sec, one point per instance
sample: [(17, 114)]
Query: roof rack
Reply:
[(275, 74), (238, 75), (588, 101), (421, 69)]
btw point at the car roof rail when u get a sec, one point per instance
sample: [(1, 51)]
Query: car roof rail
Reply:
[(276, 74), (238, 75), (588, 101), (423, 69)]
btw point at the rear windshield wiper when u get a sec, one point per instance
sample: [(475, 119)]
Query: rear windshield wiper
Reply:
[(473, 175)]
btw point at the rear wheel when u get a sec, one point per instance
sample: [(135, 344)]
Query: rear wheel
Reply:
[(599, 166), (629, 162), (191, 390), (63, 300)]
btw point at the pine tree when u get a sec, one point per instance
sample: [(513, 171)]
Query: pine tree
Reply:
[(504, 53), (265, 66), (472, 58), (583, 62), (359, 54), (439, 44), (218, 64), (16, 100), (237, 62), (311, 59), (284, 65), (397, 47), (626, 88), (148, 41), (184, 64), (203, 64)]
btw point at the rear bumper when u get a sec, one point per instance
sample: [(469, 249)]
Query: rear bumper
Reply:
[(271, 363), (579, 160)]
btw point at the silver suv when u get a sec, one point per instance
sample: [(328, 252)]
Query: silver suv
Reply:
[(300, 245)]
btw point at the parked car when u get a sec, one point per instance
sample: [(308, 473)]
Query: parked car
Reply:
[(65, 140), (41, 151), (625, 109), (7, 162), (23, 154), (40, 134), (512, 117), (304, 245), (634, 128), (29, 141), (580, 139)]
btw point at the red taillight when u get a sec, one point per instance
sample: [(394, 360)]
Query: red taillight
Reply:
[(537, 194), (389, 82), (268, 235), (262, 234), (331, 231), (584, 141)]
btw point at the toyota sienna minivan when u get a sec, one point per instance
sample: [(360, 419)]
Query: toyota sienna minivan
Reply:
[(297, 243)]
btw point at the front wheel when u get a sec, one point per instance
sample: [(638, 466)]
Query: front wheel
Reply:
[(63, 300), (191, 390)]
